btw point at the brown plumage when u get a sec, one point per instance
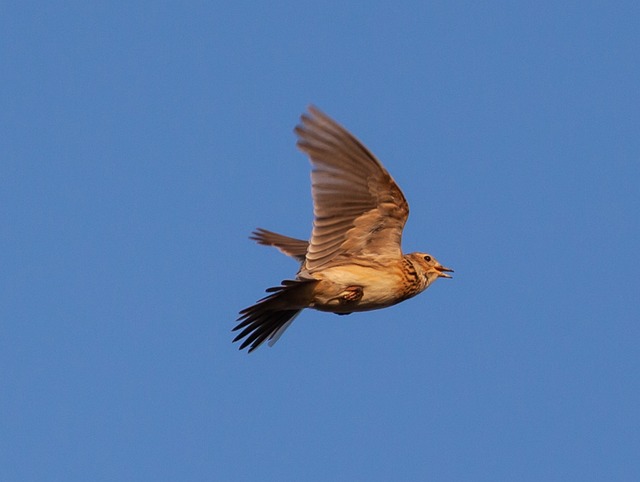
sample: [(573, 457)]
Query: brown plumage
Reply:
[(353, 261)]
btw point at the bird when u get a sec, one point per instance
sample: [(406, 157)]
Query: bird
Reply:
[(353, 261)]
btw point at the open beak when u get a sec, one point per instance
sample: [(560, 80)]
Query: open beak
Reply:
[(442, 272)]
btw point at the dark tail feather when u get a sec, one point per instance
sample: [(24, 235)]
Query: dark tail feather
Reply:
[(296, 248), (271, 316)]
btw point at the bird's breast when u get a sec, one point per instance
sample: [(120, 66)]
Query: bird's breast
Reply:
[(381, 286)]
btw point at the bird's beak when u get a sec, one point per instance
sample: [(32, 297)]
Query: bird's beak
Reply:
[(442, 272)]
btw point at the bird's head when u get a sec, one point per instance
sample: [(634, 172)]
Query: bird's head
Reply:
[(429, 267)]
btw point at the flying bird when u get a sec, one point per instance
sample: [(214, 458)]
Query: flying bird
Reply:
[(353, 261)]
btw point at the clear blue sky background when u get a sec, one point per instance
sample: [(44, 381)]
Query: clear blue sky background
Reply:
[(140, 144)]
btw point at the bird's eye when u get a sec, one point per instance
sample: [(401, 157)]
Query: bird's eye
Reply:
[(427, 258)]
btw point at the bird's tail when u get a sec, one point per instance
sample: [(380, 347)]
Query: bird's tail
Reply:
[(296, 248), (271, 316)]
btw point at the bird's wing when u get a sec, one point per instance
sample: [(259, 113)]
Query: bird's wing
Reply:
[(359, 210), (271, 316)]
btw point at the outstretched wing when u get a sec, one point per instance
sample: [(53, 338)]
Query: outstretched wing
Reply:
[(359, 210), (271, 316)]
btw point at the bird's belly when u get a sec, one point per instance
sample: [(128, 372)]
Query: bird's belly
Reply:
[(380, 288)]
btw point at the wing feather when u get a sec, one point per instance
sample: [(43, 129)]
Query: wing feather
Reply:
[(359, 210)]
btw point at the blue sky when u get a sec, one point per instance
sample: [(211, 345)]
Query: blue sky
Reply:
[(141, 143)]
